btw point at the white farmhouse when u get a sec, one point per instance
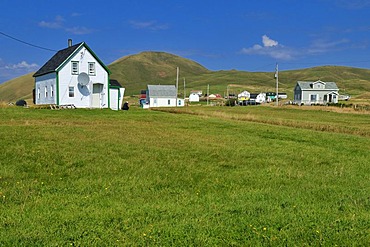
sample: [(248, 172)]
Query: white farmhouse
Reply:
[(318, 92), (163, 96), (76, 76)]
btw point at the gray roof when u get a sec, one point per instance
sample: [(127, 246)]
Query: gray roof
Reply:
[(162, 91), (56, 60), (308, 85), (60, 57)]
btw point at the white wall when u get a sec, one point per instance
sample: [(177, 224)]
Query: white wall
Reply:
[(116, 98), (162, 102), (82, 94), (43, 84), (193, 97)]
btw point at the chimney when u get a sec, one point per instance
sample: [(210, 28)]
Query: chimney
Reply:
[(69, 42)]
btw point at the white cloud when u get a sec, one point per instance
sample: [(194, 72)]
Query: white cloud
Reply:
[(79, 30), (59, 23), (150, 25), (76, 14), (352, 4), (9, 71), (22, 66), (267, 42), (322, 46), (270, 48), (56, 24)]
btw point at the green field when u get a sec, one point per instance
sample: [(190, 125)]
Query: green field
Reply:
[(199, 176)]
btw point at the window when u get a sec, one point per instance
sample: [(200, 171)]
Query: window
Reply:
[(313, 97), (169, 102), (179, 102), (51, 91), (91, 68), (46, 92), (38, 93), (74, 68), (71, 92)]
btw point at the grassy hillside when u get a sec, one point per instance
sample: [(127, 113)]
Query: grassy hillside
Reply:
[(18, 88), (209, 177), (135, 72)]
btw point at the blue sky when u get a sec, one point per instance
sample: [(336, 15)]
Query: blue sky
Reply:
[(220, 35)]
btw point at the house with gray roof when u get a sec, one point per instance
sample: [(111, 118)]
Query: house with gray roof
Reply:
[(317, 92), (76, 76), (163, 96)]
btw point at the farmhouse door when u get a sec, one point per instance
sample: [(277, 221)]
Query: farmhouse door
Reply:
[(96, 95), (330, 98)]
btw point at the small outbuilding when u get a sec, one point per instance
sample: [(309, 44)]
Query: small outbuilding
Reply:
[(116, 92), (243, 98), (194, 97), (163, 96), (257, 98)]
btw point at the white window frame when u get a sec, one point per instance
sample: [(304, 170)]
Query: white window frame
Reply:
[(51, 91), (46, 92), (74, 68), (38, 93), (71, 92), (91, 67)]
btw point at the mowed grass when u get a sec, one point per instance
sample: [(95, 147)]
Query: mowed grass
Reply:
[(105, 178)]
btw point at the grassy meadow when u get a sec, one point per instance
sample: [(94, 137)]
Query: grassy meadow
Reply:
[(199, 176)]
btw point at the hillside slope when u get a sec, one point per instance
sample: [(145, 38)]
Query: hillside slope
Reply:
[(135, 72), (17, 88)]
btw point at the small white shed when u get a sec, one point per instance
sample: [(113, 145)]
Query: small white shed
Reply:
[(163, 96), (194, 97), (116, 93)]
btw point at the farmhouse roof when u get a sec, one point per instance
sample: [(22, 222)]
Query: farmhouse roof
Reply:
[(114, 83), (308, 85), (162, 91), (61, 57)]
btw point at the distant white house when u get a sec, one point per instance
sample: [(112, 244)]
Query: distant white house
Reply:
[(282, 95), (76, 76), (212, 96), (194, 97), (317, 92), (258, 98), (199, 92), (163, 96), (245, 95)]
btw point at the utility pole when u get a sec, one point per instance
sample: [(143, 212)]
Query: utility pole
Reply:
[(207, 93), (277, 84), (177, 83), (184, 92)]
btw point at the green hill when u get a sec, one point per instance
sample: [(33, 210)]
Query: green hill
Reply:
[(17, 88), (135, 72)]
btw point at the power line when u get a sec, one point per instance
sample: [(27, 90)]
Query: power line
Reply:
[(24, 42)]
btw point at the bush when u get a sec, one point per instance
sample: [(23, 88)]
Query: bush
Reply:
[(230, 102), (21, 102)]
